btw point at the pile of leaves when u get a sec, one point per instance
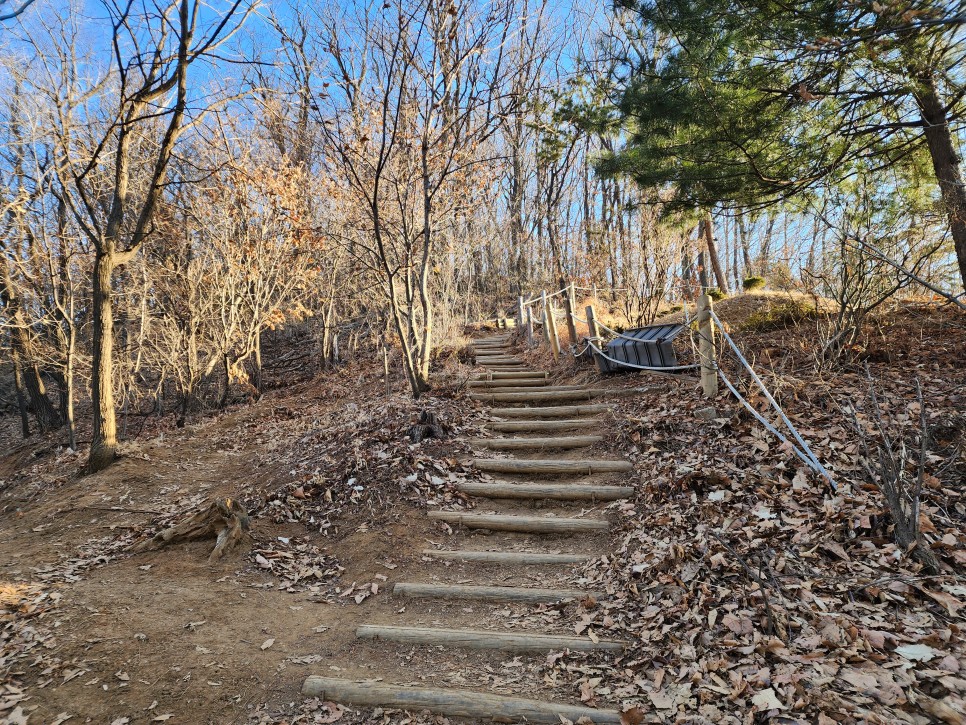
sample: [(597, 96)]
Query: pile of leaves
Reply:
[(359, 457)]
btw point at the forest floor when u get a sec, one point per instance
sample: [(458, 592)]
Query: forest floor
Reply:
[(751, 591)]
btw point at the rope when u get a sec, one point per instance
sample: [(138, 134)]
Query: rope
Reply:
[(623, 363), (806, 453), (769, 427)]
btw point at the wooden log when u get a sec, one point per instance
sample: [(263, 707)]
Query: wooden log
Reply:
[(539, 396), (556, 411), (510, 383), (523, 558), (452, 702), (522, 375), (593, 332), (526, 444), (490, 594), (706, 352), (541, 426), (525, 388), (525, 524), (513, 465), (558, 492), (570, 307), (551, 323), (481, 639), (507, 386)]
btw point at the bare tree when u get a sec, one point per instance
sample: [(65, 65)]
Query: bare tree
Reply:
[(113, 164)]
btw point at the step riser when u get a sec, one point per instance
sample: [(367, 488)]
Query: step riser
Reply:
[(495, 465), (521, 383), (521, 524), (470, 639), (538, 396), (556, 493), (556, 411), (535, 444), (452, 703), (509, 557), (489, 594), (541, 426)]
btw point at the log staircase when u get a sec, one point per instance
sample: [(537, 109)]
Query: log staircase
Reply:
[(539, 450)]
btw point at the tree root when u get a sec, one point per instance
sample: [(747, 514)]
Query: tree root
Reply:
[(225, 520)]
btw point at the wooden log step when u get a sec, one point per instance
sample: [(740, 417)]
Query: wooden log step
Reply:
[(526, 524), (510, 383), (538, 396), (490, 594), (522, 375), (527, 444), (513, 465), (541, 426), (482, 639), (556, 411), (558, 491), (523, 558), (481, 360), (501, 387), (452, 702)]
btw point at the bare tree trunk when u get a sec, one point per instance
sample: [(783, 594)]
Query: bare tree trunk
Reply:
[(945, 162), (713, 253), (21, 396), (30, 380), (104, 443)]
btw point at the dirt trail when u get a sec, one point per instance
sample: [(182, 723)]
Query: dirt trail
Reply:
[(165, 632)]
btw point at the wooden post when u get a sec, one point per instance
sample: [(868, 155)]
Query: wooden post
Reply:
[(554, 338), (549, 326), (570, 305), (521, 318), (543, 317), (709, 373), (592, 330)]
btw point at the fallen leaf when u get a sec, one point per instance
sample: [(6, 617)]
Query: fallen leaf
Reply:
[(917, 652), (268, 643), (634, 716), (17, 717), (767, 700)]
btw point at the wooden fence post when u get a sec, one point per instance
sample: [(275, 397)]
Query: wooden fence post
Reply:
[(521, 317), (570, 306), (550, 326), (592, 331), (543, 315), (709, 373)]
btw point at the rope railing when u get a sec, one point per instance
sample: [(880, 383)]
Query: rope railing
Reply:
[(703, 351), (624, 363), (802, 451)]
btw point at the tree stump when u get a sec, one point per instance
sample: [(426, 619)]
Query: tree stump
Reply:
[(225, 520), (427, 427)]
